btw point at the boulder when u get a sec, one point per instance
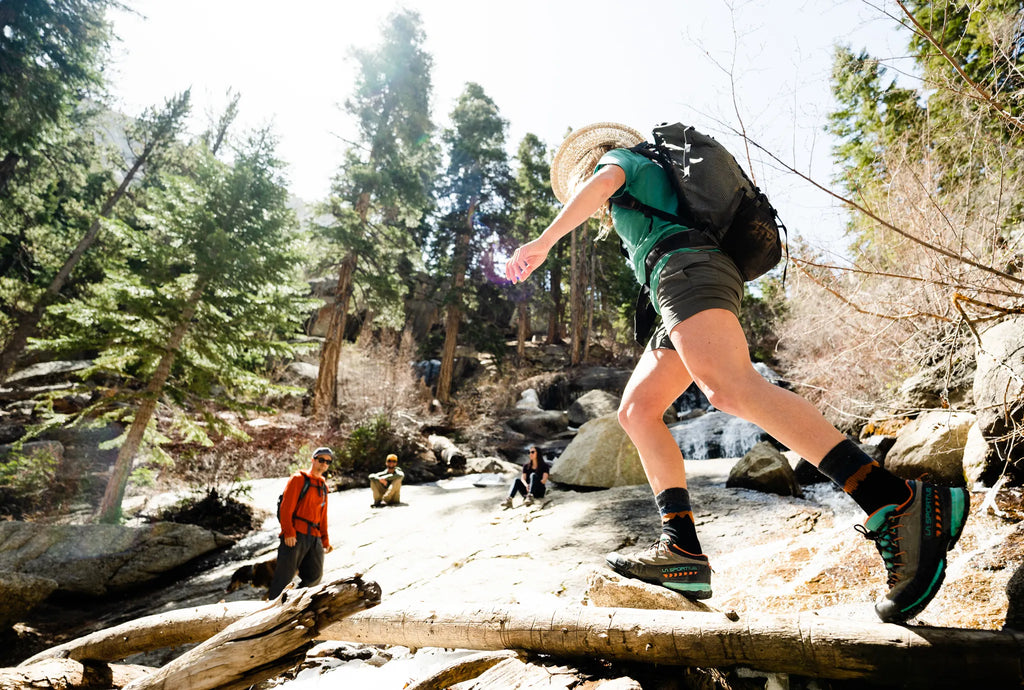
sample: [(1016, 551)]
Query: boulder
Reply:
[(764, 469), (102, 559), (945, 384), (20, 593), (539, 425), (51, 449), (46, 372), (300, 374), (529, 400), (999, 392), (978, 461), (932, 444), (601, 455), (592, 404)]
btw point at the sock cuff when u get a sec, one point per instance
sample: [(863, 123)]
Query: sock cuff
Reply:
[(843, 461), (674, 500)]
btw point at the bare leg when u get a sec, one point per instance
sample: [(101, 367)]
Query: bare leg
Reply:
[(658, 379), (714, 351)]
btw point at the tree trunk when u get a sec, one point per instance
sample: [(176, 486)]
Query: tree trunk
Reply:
[(170, 629), (578, 295), (454, 316), (555, 317), (523, 331), (7, 167), (803, 644), (325, 398), (265, 643), (110, 506), (27, 322)]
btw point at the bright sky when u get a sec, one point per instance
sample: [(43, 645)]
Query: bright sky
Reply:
[(548, 64)]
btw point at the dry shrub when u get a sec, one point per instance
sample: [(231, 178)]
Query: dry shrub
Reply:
[(375, 377), (913, 294)]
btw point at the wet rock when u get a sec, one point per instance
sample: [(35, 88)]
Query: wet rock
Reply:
[(716, 435)]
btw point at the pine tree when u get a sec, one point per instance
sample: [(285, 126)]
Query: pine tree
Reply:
[(206, 295), (474, 195), (382, 191)]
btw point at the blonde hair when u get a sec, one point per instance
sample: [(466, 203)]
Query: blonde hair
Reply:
[(583, 171)]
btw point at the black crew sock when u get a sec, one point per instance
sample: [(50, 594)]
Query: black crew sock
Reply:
[(677, 519), (868, 483)]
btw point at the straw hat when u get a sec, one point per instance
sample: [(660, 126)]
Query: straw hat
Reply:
[(576, 157)]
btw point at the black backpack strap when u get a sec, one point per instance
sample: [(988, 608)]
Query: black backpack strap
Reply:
[(302, 494)]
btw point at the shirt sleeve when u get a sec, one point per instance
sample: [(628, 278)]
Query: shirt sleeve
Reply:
[(288, 506), (324, 538), (627, 160)]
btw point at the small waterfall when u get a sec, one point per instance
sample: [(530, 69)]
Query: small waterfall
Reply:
[(716, 435)]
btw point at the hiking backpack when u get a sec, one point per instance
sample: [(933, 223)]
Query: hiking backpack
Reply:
[(715, 196), (302, 494)]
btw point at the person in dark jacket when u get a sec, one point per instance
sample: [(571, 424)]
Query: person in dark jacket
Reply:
[(304, 539), (696, 290), (533, 483)]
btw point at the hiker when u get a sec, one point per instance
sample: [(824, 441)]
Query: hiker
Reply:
[(386, 485), (533, 483), (303, 516), (696, 291)]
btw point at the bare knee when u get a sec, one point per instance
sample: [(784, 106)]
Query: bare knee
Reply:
[(637, 413)]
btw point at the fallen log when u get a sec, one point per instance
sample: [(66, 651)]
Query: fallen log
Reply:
[(262, 645), (68, 674), (447, 452), (170, 629), (805, 644)]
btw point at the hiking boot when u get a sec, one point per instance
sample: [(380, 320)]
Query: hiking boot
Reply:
[(663, 563), (507, 503), (528, 501), (913, 539)]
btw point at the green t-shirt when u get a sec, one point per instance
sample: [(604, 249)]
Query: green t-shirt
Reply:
[(647, 182)]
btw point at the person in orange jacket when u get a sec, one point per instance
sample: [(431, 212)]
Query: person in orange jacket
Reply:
[(303, 515)]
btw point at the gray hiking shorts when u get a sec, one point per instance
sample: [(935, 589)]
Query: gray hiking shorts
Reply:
[(690, 283)]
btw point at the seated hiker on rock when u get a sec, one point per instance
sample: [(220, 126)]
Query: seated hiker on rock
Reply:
[(303, 515), (386, 485), (696, 289), (534, 481)]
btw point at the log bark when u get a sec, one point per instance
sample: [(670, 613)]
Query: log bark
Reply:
[(804, 644), (67, 674), (447, 452), (264, 644), (171, 629)]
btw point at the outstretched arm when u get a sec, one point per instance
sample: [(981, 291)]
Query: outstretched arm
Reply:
[(594, 193)]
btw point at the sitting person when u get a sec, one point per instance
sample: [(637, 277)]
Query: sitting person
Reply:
[(387, 484), (534, 481)]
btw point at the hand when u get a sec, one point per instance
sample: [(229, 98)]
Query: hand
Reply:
[(328, 549), (384, 482), (525, 260), (289, 541)]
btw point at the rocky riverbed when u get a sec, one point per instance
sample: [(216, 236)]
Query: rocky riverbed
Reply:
[(449, 544)]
